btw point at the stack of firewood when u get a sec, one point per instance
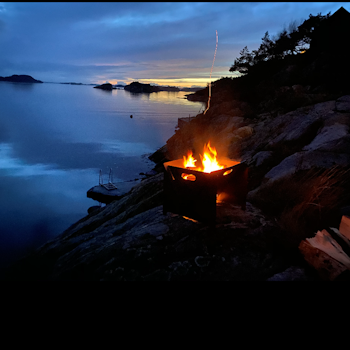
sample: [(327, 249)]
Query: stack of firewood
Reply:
[(329, 251)]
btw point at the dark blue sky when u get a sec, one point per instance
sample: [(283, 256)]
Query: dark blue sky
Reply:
[(165, 43)]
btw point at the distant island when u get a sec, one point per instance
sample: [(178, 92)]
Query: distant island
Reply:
[(20, 79), (106, 86), (73, 83), (191, 89), (137, 87)]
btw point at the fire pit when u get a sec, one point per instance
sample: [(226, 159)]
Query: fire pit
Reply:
[(194, 192)]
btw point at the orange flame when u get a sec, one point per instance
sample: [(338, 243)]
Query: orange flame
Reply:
[(209, 161), (189, 161)]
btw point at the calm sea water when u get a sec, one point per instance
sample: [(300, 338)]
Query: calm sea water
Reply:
[(54, 139)]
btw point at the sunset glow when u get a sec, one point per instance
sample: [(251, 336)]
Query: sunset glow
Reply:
[(165, 43)]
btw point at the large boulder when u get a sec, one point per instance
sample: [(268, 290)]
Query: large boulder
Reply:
[(307, 160), (316, 137)]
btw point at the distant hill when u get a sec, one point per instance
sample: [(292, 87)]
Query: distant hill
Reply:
[(20, 79), (168, 88), (106, 86), (73, 83), (137, 87), (192, 89)]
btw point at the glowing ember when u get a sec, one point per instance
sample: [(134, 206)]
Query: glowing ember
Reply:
[(189, 177), (227, 172)]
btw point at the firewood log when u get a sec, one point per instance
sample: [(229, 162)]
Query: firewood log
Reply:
[(325, 254), (327, 267), (344, 226)]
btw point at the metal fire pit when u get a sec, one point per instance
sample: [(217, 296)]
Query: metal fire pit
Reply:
[(196, 197)]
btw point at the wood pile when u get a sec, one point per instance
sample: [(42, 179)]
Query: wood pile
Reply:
[(329, 251)]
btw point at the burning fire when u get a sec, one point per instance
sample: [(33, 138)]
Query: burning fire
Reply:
[(209, 161), (189, 161)]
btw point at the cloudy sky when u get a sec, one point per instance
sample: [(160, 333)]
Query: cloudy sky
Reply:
[(167, 43)]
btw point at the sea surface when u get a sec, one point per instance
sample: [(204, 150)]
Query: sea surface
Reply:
[(55, 138)]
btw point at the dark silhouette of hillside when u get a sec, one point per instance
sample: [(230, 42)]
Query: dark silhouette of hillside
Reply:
[(305, 65), (106, 86), (20, 79), (137, 87)]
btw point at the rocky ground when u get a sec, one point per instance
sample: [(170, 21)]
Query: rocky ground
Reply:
[(131, 238)]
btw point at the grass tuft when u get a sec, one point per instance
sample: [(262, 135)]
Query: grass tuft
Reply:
[(306, 201)]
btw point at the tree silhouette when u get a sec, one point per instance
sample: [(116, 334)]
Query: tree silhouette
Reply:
[(289, 42), (244, 62)]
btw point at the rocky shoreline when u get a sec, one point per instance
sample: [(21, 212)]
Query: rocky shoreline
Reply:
[(288, 119), (131, 239), (292, 130)]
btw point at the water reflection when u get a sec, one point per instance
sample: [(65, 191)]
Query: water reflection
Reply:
[(20, 86), (137, 95), (54, 139), (105, 91)]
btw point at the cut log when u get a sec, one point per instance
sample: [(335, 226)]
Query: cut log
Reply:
[(327, 267), (341, 239), (344, 227), (327, 254)]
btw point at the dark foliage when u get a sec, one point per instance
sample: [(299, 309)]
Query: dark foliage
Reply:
[(288, 42)]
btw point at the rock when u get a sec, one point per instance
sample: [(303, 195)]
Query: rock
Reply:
[(313, 136), (292, 126), (150, 173), (293, 273), (261, 157), (343, 104), (93, 209), (244, 132), (328, 139), (307, 160), (122, 242), (159, 156)]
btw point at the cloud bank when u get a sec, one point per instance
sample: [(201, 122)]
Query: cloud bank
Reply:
[(121, 42)]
